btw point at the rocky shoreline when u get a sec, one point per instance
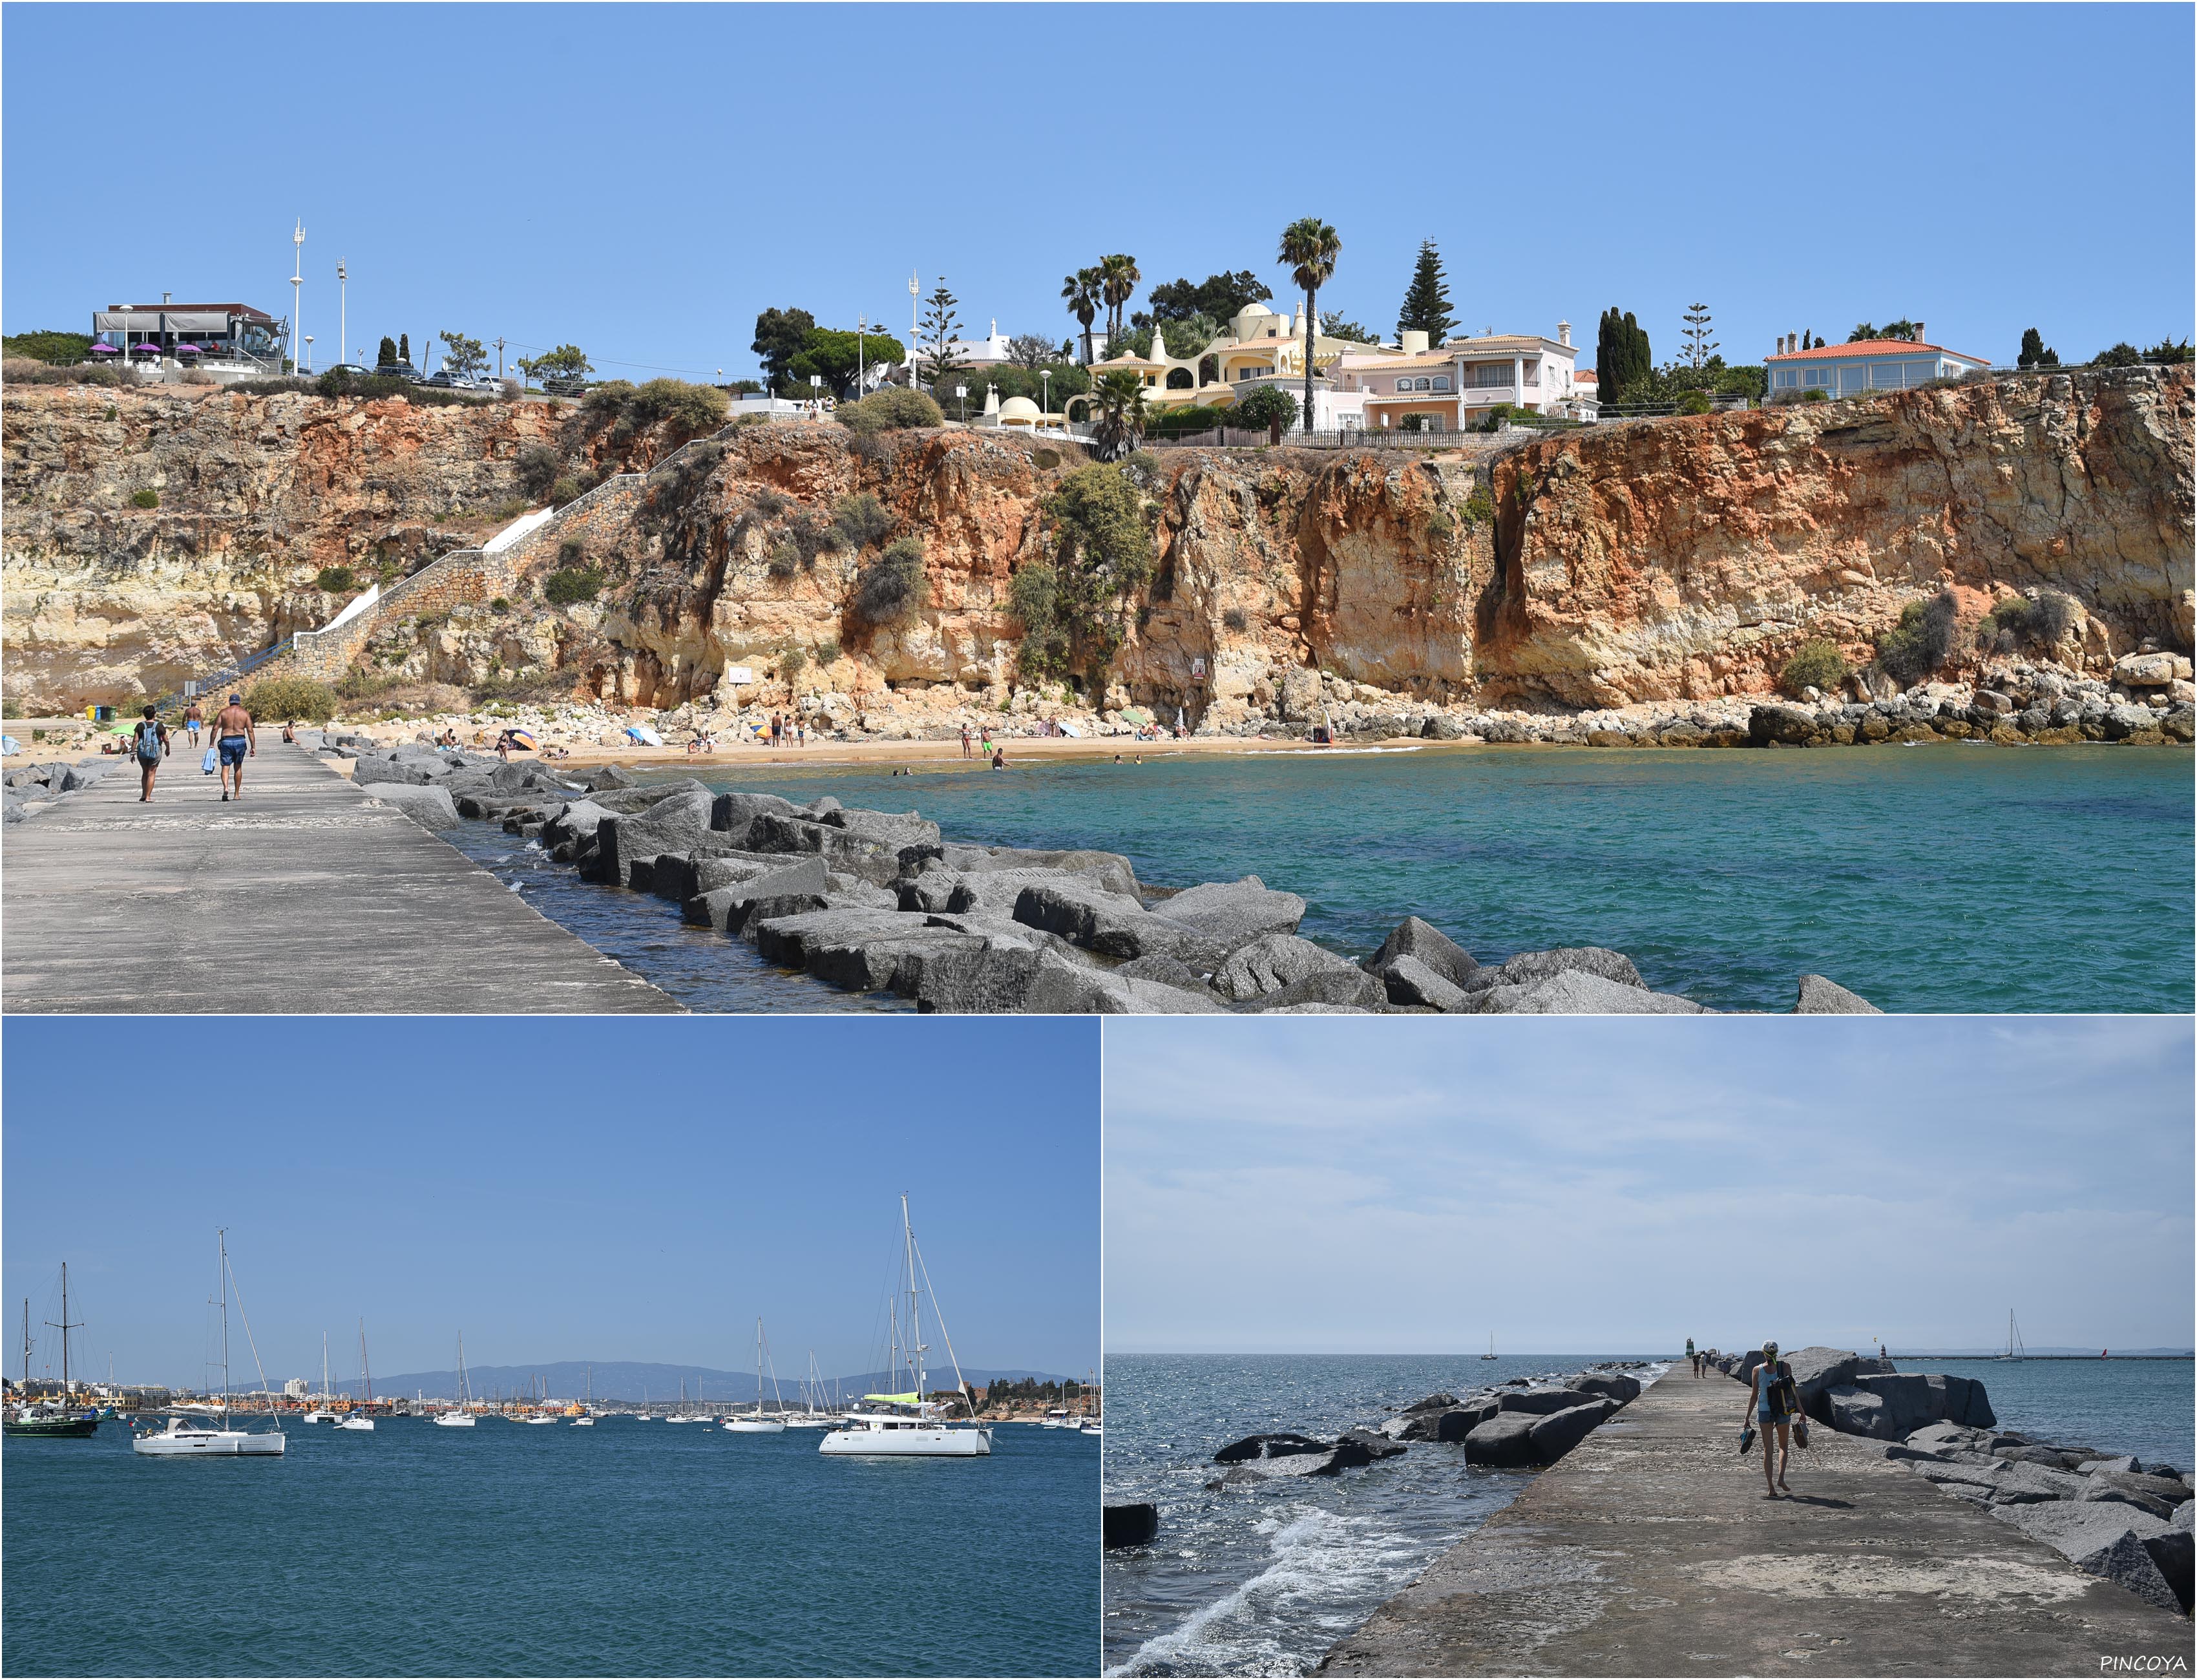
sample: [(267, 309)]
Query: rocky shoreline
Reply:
[(879, 902), (26, 789), (2112, 1515)]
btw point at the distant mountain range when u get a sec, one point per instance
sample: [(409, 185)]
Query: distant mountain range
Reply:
[(626, 1380), (2038, 1353)]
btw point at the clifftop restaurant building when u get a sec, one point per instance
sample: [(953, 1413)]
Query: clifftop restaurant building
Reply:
[(187, 332)]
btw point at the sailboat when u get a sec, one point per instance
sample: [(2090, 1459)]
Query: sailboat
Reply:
[(1490, 1353), (361, 1420), (811, 1417), (908, 1425), (755, 1423), (586, 1420), (2015, 1350), (683, 1414), (542, 1414), (459, 1416), (1086, 1422), (321, 1414), (187, 1438), (49, 1419)]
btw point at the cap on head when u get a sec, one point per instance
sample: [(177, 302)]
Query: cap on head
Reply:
[(236, 699)]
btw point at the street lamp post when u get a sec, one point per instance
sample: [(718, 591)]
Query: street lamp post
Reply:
[(815, 383), (343, 305), (308, 367), (861, 383), (1045, 386), (961, 395), (297, 295)]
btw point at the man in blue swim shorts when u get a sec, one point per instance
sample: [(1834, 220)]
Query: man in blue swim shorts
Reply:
[(234, 737)]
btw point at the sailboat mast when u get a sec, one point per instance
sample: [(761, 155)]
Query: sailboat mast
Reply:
[(221, 1243), (65, 1330), (914, 1317)]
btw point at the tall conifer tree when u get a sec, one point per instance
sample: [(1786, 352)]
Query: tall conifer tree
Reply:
[(1426, 302)]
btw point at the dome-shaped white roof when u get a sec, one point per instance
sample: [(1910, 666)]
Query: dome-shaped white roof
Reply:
[(1018, 408)]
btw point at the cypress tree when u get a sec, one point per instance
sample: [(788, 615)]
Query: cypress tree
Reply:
[(1426, 302), (403, 346), (387, 354), (1621, 356)]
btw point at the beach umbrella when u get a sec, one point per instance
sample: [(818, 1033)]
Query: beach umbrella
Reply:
[(523, 738), (106, 350)]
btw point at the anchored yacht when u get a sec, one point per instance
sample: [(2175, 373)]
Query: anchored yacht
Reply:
[(909, 1425), (754, 1422), (189, 1438)]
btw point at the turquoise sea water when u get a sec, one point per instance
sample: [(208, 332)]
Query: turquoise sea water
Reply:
[(627, 1549), (1927, 878), (1263, 1580)]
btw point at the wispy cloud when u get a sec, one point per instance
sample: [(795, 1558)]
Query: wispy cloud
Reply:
[(1340, 1185)]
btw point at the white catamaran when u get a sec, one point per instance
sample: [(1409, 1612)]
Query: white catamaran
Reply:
[(459, 1416), (908, 1425), (755, 1423), (187, 1437)]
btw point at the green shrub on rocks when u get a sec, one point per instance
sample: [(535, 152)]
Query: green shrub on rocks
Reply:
[(2016, 621), (1921, 642), (1818, 665), (146, 499), (790, 663), (568, 585), (335, 580), (895, 587), (896, 408), (291, 699), (860, 520)]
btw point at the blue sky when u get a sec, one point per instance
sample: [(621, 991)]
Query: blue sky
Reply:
[(643, 180), (1613, 1186), (559, 1189)]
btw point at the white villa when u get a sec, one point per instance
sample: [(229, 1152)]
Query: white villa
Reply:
[(1354, 386)]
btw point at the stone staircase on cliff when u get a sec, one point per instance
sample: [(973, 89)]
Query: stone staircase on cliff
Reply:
[(463, 576)]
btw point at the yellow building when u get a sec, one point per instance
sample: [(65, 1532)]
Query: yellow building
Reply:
[(1258, 347)]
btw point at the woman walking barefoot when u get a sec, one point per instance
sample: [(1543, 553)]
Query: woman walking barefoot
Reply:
[(1773, 1400)]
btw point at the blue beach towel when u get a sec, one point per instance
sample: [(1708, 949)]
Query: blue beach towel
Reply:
[(212, 759)]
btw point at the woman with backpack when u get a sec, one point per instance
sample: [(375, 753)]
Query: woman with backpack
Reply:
[(152, 745), (1773, 1403)]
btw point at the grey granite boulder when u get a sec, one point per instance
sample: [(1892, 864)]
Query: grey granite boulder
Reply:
[(1559, 1431), (1505, 1441), (1543, 1402), (732, 813), (575, 820), (1112, 924), (1343, 986), (1166, 971), (1110, 870), (1375, 1445), (1233, 914), (1270, 962), (428, 805), (1410, 983), (1280, 1444), (2096, 1491), (1819, 996), (871, 851), (678, 824), (1449, 1423), (382, 768), (725, 905), (1428, 944), (1575, 992), (1613, 1386), (2106, 1540), (1528, 966)]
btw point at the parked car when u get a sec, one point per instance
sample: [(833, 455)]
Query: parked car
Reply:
[(398, 370), (441, 381), (566, 385), (349, 369)]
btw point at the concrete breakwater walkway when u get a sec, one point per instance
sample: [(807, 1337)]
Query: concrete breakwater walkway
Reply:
[(308, 896), (1651, 1550)]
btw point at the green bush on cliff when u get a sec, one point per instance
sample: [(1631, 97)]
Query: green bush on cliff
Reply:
[(569, 585), (860, 520), (895, 587), (1818, 665), (896, 408), (291, 699), (335, 580), (1921, 642), (145, 499), (2014, 621), (57, 349)]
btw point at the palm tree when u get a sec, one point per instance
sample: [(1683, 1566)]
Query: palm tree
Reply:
[(1081, 292), (1310, 247), (1121, 426), (1119, 278)]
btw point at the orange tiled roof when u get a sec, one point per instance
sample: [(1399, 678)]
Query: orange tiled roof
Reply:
[(1871, 347)]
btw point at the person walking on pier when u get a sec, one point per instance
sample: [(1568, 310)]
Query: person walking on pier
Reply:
[(1773, 1400), (234, 737), (152, 747), (1692, 1358), (193, 718)]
